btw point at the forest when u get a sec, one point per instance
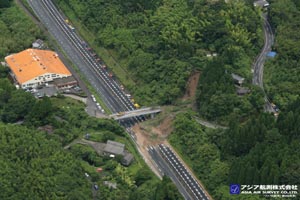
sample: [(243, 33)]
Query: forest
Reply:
[(261, 151), (33, 132), (161, 42), (282, 74)]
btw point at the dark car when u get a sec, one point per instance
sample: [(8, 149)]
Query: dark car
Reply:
[(96, 187)]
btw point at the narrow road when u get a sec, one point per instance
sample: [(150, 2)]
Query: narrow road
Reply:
[(209, 124), (258, 66)]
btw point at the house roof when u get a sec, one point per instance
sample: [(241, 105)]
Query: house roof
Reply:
[(127, 159), (237, 77), (271, 54), (59, 81), (32, 63), (242, 90), (110, 184), (115, 148), (37, 43), (260, 3)]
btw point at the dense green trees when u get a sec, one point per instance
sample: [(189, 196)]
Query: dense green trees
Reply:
[(33, 163), (217, 99), (282, 73), (261, 151), (17, 32), (16, 105), (161, 41), (273, 156), (33, 167), (4, 3)]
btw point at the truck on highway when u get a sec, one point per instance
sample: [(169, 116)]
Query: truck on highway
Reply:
[(120, 114), (72, 28)]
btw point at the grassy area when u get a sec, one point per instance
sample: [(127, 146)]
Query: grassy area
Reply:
[(138, 163), (26, 5), (106, 55), (65, 101)]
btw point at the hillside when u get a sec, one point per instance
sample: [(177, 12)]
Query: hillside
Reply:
[(282, 74), (33, 132), (159, 43)]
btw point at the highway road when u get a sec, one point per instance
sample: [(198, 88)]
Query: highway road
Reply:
[(166, 170), (134, 113), (93, 70), (258, 66), (169, 165), (78, 51)]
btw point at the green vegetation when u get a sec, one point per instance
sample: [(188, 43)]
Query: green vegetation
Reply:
[(159, 43), (261, 151), (34, 167), (34, 164), (17, 32), (217, 98), (282, 74)]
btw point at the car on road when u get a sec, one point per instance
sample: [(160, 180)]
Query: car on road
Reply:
[(96, 187)]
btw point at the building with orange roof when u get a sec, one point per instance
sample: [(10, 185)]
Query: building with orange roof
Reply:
[(34, 67)]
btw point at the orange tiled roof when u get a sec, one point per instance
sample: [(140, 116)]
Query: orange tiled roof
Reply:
[(32, 63)]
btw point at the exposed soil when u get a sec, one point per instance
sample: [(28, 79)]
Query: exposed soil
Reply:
[(152, 137), (191, 86)]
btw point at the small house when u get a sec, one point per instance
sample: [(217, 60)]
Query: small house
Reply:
[(238, 79), (261, 4), (38, 44), (114, 148), (127, 159)]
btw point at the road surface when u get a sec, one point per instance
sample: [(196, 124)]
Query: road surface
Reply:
[(88, 63), (165, 169), (209, 124), (77, 50), (258, 66), (169, 165)]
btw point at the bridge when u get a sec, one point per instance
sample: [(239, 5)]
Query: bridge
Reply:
[(134, 113)]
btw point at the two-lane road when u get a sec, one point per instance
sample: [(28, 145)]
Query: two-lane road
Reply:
[(258, 66)]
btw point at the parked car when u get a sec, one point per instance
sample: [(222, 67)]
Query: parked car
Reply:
[(96, 187)]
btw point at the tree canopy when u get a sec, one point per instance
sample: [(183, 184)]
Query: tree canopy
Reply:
[(160, 42), (282, 73)]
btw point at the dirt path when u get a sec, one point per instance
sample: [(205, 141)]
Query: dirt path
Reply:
[(155, 136), (158, 135), (191, 88)]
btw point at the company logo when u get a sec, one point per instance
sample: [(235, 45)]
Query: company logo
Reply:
[(235, 189)]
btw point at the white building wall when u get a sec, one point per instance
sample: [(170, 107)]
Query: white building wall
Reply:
[(40, 80)]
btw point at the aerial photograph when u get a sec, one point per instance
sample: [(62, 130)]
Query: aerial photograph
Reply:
[(149, 99)]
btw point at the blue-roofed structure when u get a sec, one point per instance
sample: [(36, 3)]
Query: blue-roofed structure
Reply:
[(271, 54)]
